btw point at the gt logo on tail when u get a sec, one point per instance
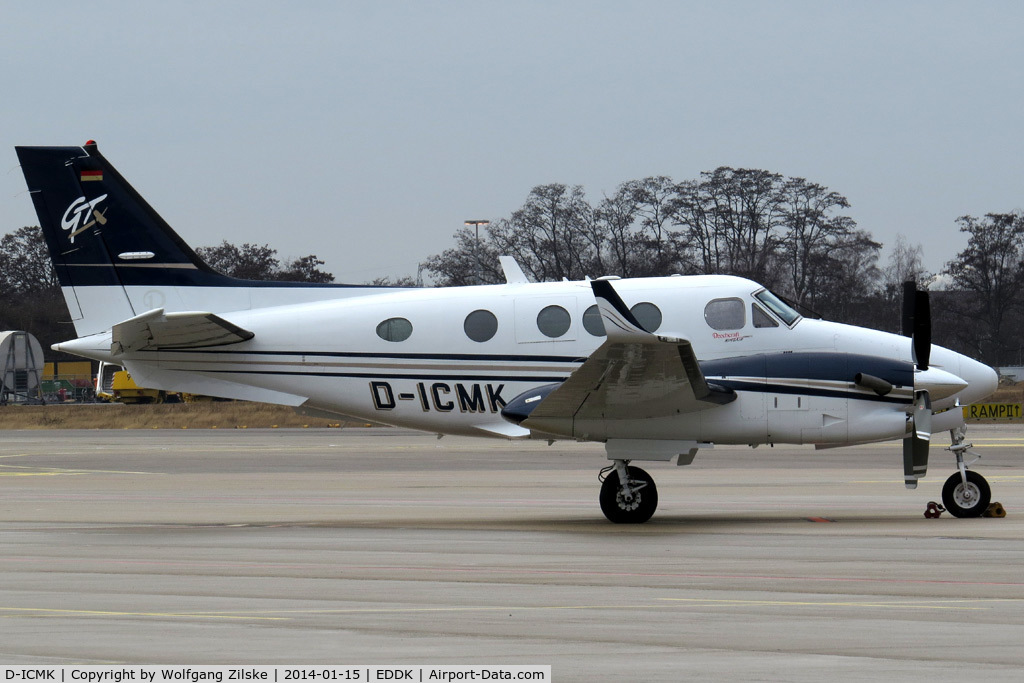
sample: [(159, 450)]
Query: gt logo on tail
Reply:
[(77, 213)]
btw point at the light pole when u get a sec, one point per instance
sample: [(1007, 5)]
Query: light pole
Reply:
[(476, 247)]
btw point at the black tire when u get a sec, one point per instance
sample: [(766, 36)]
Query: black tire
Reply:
[(637, 511), (969, 501)]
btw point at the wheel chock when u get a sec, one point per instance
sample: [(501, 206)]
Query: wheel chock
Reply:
[(995, 510), (934, 510)]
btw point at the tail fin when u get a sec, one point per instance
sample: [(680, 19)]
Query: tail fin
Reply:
[(115, 256), (91, 215), (103, 236)]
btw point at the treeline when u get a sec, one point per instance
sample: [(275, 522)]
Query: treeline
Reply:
[(789, 234), (260, 262), (31, 299)]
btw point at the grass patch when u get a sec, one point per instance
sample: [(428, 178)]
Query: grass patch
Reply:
[(206, 415)]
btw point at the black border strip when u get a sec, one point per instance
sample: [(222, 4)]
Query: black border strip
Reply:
[(407, 356), (809, 391), (386, 376)]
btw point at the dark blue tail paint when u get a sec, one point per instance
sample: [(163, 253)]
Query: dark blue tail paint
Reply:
[(101, 232)]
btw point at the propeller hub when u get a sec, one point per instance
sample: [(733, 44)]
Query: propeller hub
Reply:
[(938, 383)]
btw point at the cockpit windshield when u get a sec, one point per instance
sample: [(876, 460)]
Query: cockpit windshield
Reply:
[(778, 307)]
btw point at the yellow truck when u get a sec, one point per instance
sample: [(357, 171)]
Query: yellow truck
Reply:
[(125, 390), (114, 383)]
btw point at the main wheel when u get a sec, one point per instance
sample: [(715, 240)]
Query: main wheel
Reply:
[(970, 500), (617, 508)]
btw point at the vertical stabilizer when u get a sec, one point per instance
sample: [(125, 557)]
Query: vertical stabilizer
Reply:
[(114, 255), (116, 258), (72, 195)]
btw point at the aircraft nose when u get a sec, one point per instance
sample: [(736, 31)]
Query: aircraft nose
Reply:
[(981, 379)]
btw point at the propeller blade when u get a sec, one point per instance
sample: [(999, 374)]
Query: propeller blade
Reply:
[(909, 298), (915, 446), (915, 461), (922, 330)]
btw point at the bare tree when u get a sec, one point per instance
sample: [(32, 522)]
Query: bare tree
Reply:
[(548, 235), (817, 242), (304, 269), (25, 264), (260, 262), (457, 266), (845, 277), (624, 248), (30, 297), (749, 206), (389, 281), (989, 275), (906, 262), (732, 219), (695, 211), (653, 198)]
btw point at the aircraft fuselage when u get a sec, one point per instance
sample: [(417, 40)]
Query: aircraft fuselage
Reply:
[(793, 381)]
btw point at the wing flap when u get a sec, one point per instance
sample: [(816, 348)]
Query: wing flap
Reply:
[(159, 331), (635, 374)]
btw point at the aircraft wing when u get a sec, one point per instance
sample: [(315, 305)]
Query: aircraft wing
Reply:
[(634, 374), (156, 331)]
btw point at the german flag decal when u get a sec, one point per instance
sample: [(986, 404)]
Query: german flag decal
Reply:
[(92, 175)]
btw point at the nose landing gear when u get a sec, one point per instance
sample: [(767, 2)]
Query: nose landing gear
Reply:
[(966, 493)]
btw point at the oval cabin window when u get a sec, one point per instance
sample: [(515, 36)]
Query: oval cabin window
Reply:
[(394, 329), (553, 321), (592, 322), (480, 326)]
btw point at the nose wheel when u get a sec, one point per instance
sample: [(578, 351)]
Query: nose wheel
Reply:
[(966, 496), (966, 493)]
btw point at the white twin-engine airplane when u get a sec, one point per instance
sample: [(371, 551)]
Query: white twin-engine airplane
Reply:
[(654, 368)]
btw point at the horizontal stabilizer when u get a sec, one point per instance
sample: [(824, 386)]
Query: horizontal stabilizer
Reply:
[(159, 331)]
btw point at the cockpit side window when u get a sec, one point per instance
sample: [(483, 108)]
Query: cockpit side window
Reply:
[(761, 318), (725, 314), (778, 307)]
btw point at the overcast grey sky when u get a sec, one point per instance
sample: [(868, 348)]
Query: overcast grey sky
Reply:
[(366, 132)]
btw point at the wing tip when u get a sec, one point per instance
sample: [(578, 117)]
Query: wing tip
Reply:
[(615, 312)]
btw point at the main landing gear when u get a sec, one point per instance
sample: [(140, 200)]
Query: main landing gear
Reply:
[(632, 502), (965, 493)]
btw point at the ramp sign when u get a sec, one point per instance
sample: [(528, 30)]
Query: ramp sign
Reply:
[(992, 411)]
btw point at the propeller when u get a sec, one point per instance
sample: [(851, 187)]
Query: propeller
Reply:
[(917, 324)]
